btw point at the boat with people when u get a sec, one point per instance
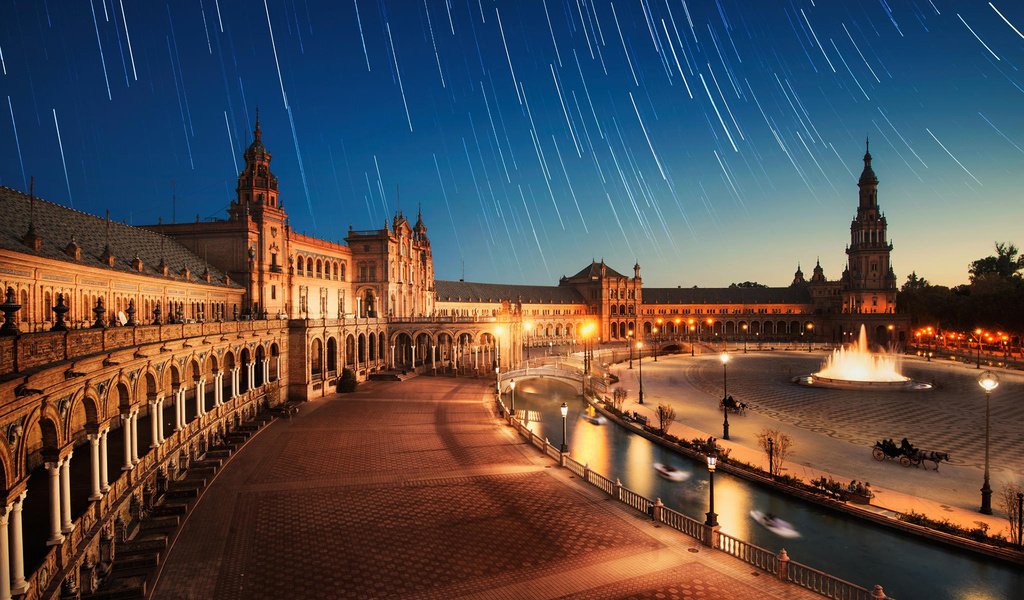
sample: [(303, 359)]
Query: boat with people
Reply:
[(671, 473), (594, 419), (774, 524)]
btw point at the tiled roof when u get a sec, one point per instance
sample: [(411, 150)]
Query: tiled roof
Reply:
[(593, 271), (56, 225), (731, 295), (464, 291)]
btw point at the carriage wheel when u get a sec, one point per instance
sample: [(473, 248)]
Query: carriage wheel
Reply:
[(878, 454), (905, 461)]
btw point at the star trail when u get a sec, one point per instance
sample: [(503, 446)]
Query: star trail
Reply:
[(712, 141)]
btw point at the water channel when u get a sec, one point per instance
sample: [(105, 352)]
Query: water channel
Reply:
[(866, 554)]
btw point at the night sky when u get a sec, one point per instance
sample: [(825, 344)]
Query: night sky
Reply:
[(714, 142)]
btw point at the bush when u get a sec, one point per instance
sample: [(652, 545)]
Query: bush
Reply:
[(347, 382)]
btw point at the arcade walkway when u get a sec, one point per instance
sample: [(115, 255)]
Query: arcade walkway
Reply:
[(413, 490)]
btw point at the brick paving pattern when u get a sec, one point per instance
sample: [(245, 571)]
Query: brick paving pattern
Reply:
[(412, 490)]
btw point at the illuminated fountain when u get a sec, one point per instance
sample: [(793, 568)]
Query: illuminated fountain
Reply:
[(856, 367)]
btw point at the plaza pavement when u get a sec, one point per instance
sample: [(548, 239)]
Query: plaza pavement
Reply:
[(414, 490), (833, 431)]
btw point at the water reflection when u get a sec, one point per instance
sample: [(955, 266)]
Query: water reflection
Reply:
[(845, 547)]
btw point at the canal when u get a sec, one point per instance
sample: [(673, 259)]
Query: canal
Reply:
[(854, 550)]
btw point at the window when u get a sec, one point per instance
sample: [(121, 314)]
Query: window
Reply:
[(273, 292)]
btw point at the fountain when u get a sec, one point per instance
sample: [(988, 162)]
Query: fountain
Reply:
[(856, 367)]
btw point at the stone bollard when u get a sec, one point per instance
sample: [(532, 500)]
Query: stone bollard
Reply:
[(783, 559), (546, 444), (617, 490), (878, 593), (656, 513)]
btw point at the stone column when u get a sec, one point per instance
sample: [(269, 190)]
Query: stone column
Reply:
[(277, 360), (126, 429), (179, 400), (236, 376), (218, 388), (392, 356), (134, 420), (201, 397), (94, 465), (104, 458), (154, 425), (266, 371), (160, 417), (5, 557), (18, 583), (252, 376), (66, 526), (56, 537)]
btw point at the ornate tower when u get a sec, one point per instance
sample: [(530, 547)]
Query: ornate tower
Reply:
[(869, 284), (258, 209)]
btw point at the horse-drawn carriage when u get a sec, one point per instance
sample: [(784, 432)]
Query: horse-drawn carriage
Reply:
[(730, 404), (907, 454)]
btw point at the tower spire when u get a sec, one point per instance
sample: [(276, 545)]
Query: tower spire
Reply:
[(258, 133)]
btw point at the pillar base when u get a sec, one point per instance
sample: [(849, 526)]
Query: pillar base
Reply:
[(105, 489), (55, 541), (68, 529), (20, 588), (96, 496), (127, 467)]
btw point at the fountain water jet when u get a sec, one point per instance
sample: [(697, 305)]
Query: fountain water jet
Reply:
[(856, 367)]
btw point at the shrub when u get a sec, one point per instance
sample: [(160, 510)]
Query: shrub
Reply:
[(347, 382)]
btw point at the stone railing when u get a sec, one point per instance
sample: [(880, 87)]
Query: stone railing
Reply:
[(34, 350), (778, 565), (93, 536)]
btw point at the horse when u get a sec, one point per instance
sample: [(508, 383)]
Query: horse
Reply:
[(935, 457)]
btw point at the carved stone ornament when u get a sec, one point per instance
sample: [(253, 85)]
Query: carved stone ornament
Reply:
[(15, 431)]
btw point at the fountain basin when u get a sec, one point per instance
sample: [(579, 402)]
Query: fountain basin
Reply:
[(907, 385)]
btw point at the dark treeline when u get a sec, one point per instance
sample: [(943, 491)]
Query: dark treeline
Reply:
[(993, 299)]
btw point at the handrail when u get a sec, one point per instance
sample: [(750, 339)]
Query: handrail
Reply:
[(757, 556), (682, 523), (824, 584)]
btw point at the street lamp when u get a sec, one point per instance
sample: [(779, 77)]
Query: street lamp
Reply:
[(640, 365), (724, 357), (988, 382), (512, 386), (744, 327), (526, 339), (977, 336), (629, 336), (692, 329), (712, 520), (771, 456), (565, 411), (810, 335), (654, 333), (497, 376)]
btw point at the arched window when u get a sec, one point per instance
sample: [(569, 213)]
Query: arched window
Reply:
[(301, 266), (335, 271), (309, 267), (319, 268), (342, 272)]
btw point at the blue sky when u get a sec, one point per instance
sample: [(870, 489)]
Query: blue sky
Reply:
[(714, 142)]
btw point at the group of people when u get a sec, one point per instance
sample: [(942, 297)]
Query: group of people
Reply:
[(905, 447), (861, 489)]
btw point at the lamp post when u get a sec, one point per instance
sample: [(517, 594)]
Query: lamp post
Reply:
[(744, 327), (988, 382), (565, 412), (810, 336), (497, 376), (977, 336), (526, 339), (724, 357), (712, 520), (692, 329), (654, 334), (640, 365), (512, 386), (629, 342), (771, 456)]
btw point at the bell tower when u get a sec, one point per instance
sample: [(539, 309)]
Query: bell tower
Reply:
[(869, 284), (257, 186)]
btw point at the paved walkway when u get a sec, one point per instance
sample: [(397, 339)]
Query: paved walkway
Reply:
[(414, 490), (833, 431)]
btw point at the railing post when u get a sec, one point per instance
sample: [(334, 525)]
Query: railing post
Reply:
[(617, 490), (586, 472), (711, 533), (656, 513), (546, 444), (561, 458), (878, 593), (783, 559)]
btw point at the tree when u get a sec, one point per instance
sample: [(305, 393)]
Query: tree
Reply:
[(347, 382), (748, 284), (782, 444), (1006, 264), (666, 414), (618, 398), (914, 283), (1008, 502)]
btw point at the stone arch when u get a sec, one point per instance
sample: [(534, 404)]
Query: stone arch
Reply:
[(402, 343), (350, 350), (309, 267), (316, 359), (300, 264), (229, 361), (7, 470), (275, 353), (245, 358), (381, 343), (361, 349), (211, 366), (260, 356), (194, 370), (332, 354), (319, 268)]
